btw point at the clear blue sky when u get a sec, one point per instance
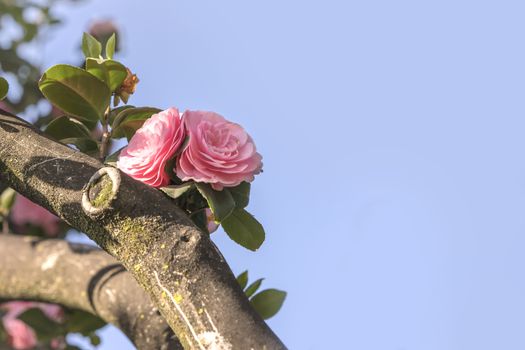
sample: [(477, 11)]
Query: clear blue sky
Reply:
[(392, 134)]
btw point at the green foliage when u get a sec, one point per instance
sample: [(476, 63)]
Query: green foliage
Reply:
[(268, 302), (252, 288), (241, 194), (91, 47), (75, 321), (243, 279), (221, 203), (45, 328), (244, 229), (4, 88), (66, 127), (129, 120), (83, 322), (110, 72), (25, 72), (175, 191), (110, 46), (76, 92)]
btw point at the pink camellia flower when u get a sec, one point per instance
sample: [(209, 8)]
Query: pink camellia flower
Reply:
[(26, 212), (20, 335), (146, 155), (219, 152)]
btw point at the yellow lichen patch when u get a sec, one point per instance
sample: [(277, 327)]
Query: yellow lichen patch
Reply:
[(177, 297), (200, 311), (137, 267), (165, 266)]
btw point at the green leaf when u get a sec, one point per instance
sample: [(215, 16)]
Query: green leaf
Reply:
[(116, 111), (44, 327), (244, 229), (75, 91), (4, 88), (175, 191), (65, 127), (221, 202), (110, 46), (7, 199), (94, 339), (111, 72), (253, 288), (268, 302), (200, 220), (82, 322), (84, 144), (243, 279), (127, 122), (241, 194), (91, 47)]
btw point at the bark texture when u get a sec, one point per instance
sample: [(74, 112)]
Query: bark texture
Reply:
[(85, 278), (176, 263)]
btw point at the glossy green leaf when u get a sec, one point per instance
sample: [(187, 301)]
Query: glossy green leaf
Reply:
[(116, 111), (75, 91), (91, 46), (221, 202), (82, 322), (243, 279), (127, 122), (241, 194), (244, 229), (268, 302), (84, 144), (94, 339), (44, 327), (111, 72), (175, 191), (252, 288), (200, 220), (4, 88), (110, 46), (65, 127)]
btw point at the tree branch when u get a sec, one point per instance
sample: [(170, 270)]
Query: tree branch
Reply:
[(85, 278), (175, 262)]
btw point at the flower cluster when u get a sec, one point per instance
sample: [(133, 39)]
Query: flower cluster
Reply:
[(20, 335), (216, 151), (26, 214)]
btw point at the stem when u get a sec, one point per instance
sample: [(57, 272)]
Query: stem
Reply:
[(106, 134)]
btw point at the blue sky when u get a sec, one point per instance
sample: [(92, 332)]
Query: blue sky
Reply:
[(392, 135)]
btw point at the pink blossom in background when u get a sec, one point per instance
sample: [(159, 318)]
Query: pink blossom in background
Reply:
[(151, 147), (26, 212), (210, 219), (22, 336), (219, 152), (102, 28)]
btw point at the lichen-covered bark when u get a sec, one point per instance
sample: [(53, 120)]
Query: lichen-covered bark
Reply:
[(175, 262), (84, 278)]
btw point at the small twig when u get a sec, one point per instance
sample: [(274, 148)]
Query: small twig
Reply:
[(106, 135)]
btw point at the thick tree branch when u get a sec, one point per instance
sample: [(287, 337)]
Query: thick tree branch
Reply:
[(175, 262), (85, 278)]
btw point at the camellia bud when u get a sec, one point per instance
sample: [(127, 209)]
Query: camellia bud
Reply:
[(128, 86)]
